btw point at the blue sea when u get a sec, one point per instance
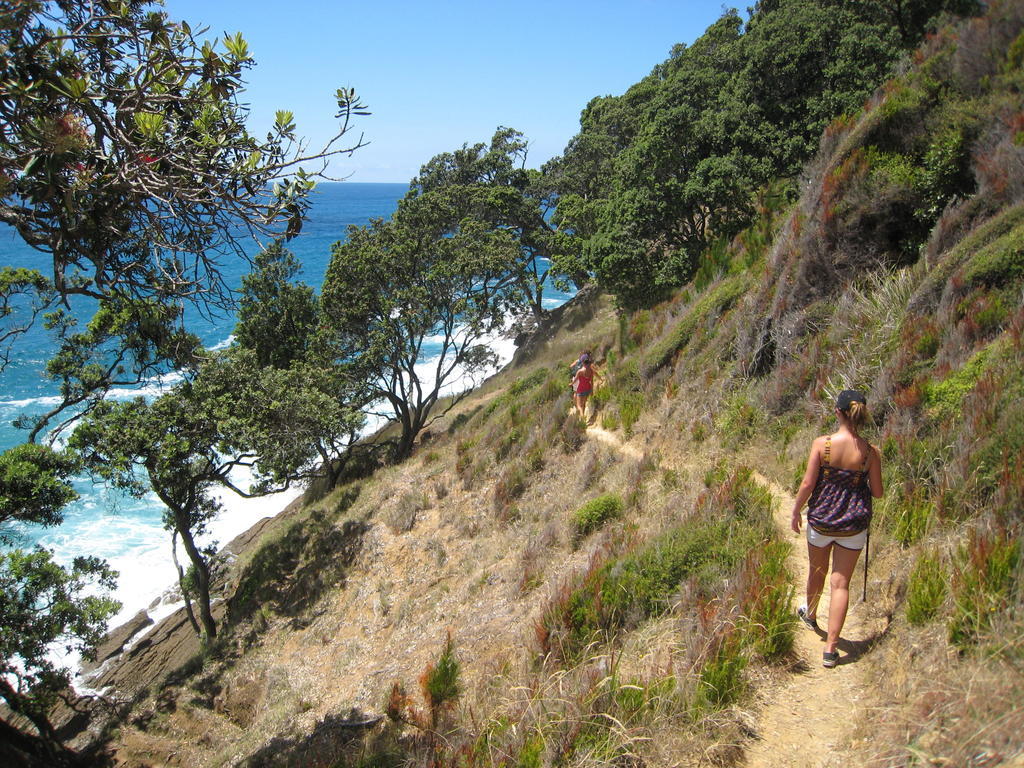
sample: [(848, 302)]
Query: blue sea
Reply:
[(128, 532)]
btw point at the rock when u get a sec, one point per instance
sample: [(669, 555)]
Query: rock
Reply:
[(115, 641), (167, 648)]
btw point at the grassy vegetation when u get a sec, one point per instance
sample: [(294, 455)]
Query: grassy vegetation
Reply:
[(899, 272), (619, 591), (926, 589), (596, 512)]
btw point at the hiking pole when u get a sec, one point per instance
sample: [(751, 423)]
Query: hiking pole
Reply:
[(867, 554)]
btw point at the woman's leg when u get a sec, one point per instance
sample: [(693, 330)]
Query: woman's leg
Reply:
[(843, 562), (583, 406), (818, 566)]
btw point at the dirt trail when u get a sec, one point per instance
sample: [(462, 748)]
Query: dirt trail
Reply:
[(610, 438), (804, 722)]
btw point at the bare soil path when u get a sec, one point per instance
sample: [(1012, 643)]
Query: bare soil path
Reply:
[(610, 438), (805, 722)]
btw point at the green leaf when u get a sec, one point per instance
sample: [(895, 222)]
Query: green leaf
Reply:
[(74, 87), (237, 46), (284, 121), (150, 124)]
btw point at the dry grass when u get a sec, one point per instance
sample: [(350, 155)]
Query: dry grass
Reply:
[(475, 535)]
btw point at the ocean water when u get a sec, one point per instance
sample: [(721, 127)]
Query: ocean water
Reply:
[(129, 532)]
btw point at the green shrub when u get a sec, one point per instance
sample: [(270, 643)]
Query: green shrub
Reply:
[(631, 405), (535, 457), (525, 384), (511, 437), (442, 683), (990, 313), (458, 421), (721, 679), (553, 387), (907, 516), (770, 617), (716, 474), (892, 167), (999, 263), (945, 399), (510, 485), (738, 420), (926, 589), (531, 752), (621, 592), (971, 246), (610, 420), (716, 301), (928, 340), (944, 173), (596, 512), (601, 397), (983, 583), (996, 416)]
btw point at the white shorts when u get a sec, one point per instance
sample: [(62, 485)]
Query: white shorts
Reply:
[(856, 541)]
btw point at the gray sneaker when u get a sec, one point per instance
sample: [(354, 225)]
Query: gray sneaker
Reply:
[(809, 621)]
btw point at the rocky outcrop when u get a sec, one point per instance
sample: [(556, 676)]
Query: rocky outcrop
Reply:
[(114, 643), (126, 664)]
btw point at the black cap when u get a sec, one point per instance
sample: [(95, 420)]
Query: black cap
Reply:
[(848, 396)]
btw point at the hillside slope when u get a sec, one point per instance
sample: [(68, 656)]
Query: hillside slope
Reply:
[(524, 591)]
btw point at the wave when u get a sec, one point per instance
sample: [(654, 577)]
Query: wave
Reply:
[(223, 344), (28, 402)]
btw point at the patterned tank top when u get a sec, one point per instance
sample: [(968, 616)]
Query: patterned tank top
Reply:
[(840, 504)]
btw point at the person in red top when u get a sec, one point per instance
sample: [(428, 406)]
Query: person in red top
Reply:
[(583, 385)]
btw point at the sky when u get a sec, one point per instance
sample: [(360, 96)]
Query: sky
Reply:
[(437, 75)]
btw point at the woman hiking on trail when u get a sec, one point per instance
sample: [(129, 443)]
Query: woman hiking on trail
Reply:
[(583, 385), (844, 471)]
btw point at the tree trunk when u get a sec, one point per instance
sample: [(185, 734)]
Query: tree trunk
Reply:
[(181, 584), (202, 574)]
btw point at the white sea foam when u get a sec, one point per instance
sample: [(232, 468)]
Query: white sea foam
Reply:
[(223, 344), (28, 402)]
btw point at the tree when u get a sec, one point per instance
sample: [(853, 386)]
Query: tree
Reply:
[(301, 422), (911, 18), (172, 446), (125, 151), (276, 317), (125, 158), (41, 602), (393, 287), (35, 485), (187, 443), (123, 343), (677, 161), (489, 183)]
